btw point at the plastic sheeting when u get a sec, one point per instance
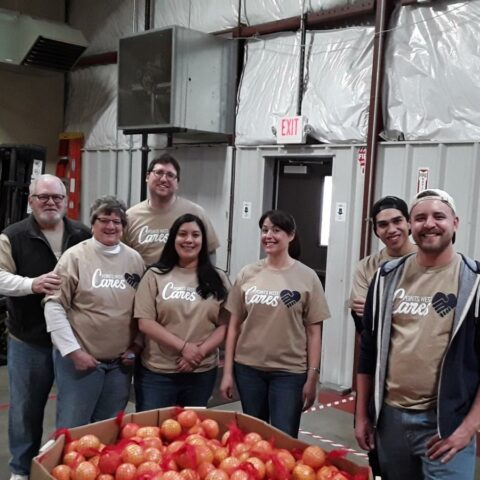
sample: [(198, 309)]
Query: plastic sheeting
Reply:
[(336, 98), (263, 11), (337, 93), (92, 110), (104, 22), (217, 15), (432, 84), (202, 15), (269, 87)]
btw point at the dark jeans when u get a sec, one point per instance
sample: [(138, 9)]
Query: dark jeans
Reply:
[(274, 396), (159, 390)]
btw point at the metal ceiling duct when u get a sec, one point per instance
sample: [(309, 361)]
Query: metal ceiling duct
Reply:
[(40, 43)]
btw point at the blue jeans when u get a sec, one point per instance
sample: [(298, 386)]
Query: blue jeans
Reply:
[(275, 397), (402, 437), (159, 390), (90, 396), (30, 376)]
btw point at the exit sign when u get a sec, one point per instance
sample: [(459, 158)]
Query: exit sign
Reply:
[(291, 129)]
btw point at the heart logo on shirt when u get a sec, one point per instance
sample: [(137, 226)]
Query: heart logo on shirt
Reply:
[(289, 298), (132, 279), (443, 304)]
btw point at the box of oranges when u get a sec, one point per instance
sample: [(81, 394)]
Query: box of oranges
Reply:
[(187, 444)]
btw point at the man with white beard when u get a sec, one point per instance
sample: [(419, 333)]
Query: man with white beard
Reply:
[(29, 250)]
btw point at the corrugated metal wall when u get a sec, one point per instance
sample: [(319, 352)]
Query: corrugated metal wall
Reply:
[(454, 167), (254, 182), (206, 179)]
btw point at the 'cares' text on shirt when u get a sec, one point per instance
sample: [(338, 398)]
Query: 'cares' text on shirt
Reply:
[(152, 236), (170, 291), (411, 304), (264, 297), (107, 280)]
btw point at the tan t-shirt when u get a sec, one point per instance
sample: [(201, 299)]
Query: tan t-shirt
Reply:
[(423, 311), (275, 306), (364, 272), (97, 292), (147, 229), (171, 300)]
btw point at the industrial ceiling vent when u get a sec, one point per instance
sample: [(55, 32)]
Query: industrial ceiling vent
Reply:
[(39, 43), (176, 80)]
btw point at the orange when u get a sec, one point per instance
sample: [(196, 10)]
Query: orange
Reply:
[(303, 472), (170, 429), (187, 418), (61, 472), (314, 457)]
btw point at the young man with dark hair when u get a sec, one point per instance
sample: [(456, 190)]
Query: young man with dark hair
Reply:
[(389, 217)]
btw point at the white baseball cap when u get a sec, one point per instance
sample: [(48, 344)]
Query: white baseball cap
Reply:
[(433, 194)]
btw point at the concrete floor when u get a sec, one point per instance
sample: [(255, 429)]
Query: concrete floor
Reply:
[(329, 424)]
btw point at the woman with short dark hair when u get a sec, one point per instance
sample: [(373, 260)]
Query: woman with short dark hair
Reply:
[(90, 319), (180, 309), (274, 335)]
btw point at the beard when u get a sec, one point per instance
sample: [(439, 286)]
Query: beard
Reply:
[(49, 218)]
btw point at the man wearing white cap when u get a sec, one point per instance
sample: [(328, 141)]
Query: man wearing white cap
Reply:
[(420, 353)]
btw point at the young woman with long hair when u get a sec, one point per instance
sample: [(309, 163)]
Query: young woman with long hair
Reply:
[(180, 309)]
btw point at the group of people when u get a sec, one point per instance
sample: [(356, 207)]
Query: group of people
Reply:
[(417, 308), (138, 295)]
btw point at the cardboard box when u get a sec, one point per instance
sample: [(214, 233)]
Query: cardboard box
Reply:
[(108, 431)]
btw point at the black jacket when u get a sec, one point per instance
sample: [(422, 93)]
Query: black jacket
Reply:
[(33, 256), (460, 371)]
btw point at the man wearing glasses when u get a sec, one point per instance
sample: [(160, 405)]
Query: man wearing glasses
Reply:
[(29, 250), (150, 220)]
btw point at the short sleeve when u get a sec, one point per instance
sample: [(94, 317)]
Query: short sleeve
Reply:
[(316, 308), (145, 297)]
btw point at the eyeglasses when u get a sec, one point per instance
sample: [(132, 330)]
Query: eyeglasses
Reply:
[(106, 221), (163, 173), (44, 198)]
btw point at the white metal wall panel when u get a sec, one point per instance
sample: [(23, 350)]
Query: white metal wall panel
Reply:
[(205, 179), (454, 167), (253, 173)]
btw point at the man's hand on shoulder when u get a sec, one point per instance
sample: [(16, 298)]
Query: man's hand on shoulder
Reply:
[(48, 283)]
